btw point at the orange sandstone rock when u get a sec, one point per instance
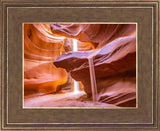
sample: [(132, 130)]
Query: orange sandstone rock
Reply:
[(41, 48), (115, 63)]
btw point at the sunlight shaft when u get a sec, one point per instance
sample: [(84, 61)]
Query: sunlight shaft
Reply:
[(76, 84)]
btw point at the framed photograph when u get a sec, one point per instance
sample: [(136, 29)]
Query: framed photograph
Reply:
[(79, 65)]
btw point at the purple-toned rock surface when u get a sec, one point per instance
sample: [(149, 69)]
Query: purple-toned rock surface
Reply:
[(98, 34), (113, 63)]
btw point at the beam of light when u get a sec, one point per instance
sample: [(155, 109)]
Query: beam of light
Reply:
[(76, 84), (75, 45), (76, 87)]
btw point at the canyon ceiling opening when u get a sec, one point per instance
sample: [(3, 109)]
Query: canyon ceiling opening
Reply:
[(80, 65)]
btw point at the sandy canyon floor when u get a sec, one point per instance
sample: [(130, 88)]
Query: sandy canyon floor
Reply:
[(61, 99)]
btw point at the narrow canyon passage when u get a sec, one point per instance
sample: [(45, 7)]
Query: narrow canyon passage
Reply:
[(80, 65)]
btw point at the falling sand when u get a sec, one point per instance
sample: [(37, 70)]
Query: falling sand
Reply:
[(93, 77)]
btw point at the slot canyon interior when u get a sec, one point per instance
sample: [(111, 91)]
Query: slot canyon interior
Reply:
[(79, 65)]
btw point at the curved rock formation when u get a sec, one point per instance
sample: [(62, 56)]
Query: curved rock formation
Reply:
[(41, 48), (98, 34), (115, 62)]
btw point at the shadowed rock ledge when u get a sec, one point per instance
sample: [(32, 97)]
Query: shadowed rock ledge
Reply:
[(115, 63)]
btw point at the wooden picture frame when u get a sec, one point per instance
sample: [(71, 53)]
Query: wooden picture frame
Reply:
[(16, 12)]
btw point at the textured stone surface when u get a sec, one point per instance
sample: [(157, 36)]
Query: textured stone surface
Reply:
[(115, 62), (98, 34), (111, 60), (41, 48)]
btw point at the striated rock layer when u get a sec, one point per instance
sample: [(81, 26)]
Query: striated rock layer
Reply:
[(41, 48), (97, 34), (115, 62)]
